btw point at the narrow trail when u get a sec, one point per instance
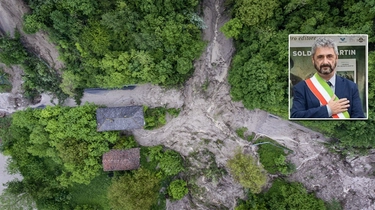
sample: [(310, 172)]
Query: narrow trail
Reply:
[(208, 121)]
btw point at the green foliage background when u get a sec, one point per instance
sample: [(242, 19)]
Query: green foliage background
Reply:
[(273, 157), (54, 149), (117, 42), (259, 71), (138, 190), (166, 162), (156, 117), (282, 195), (178, 189), (245, 170)]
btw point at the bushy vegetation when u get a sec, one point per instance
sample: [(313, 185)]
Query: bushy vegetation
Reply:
[(65, 136), (93, 195), (282, 195), (125, 142), (55, 148), (156, 117), (39, 77), (247, 172), (118, 42), (177, 189), (166, 162), (259, 70), (12, 51), (273, 157), (136, 190)]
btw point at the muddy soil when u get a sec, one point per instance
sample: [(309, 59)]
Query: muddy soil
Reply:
[(207, 124)]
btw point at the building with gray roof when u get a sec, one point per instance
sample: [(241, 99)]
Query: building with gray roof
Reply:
[(120, 118)]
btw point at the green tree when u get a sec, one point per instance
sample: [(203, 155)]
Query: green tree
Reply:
[(125, 142), (38, 75), (70, 83), (11, 51), (241, 132), (171, 163), (68, 137), (138, 190), (291, 196), (156, 117), (55, 148), (85, 7), (252, 12), (273, 157), (168, 162), (94, 39), (282, 195), (266, 91), (232, 28), (247, 172), (32, 24)]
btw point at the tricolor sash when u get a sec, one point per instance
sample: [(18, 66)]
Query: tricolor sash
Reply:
[(323, 93)]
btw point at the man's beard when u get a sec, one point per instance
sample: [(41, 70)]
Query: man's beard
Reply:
[(326, 71)]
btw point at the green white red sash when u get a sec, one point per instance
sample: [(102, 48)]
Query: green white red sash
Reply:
[(323, 93)]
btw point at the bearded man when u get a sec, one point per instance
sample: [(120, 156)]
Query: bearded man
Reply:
[(326, 95)]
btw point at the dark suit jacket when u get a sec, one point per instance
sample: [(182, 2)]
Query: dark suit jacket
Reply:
[(306, 105)]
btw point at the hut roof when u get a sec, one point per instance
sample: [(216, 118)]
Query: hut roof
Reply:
[(119, 118), (119, 160)]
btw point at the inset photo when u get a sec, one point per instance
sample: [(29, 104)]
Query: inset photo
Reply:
[(328, 76)]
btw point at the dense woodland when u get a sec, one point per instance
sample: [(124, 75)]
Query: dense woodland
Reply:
[(116, 43)]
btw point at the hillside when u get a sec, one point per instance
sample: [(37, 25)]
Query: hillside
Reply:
[(209, 120)]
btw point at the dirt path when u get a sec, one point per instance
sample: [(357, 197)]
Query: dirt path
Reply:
[(208, 121)]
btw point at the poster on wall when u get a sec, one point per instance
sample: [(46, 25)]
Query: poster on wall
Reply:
[(339, 59), (347, 68)]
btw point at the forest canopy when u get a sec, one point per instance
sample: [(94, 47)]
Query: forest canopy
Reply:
[(60, 136), (118, 42)]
